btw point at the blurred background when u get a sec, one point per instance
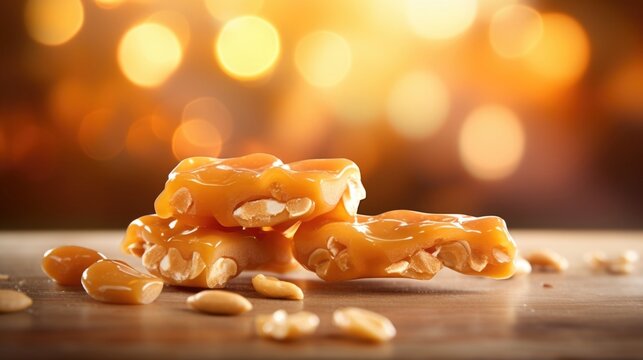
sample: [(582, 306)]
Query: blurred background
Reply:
[(531, 110)]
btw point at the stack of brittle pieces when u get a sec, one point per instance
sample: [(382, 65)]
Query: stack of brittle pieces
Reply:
[(218, 217)]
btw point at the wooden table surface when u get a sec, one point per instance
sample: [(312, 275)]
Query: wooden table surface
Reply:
[(584, 315)]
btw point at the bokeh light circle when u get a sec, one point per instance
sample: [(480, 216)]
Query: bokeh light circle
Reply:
[(247, 47), (562, 54), (491, 142), (515, 30), (196, 137), (441, 19), (149, 53), (418, 104), (53, 22), (323, 58)]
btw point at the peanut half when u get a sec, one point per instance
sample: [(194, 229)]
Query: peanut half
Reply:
[(547, 260), (363, 324), (272, 287), (12, 301), (620, 265), (283, 326), (219, 302), (523, 267)]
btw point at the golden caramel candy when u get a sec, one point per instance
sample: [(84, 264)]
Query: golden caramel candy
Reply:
[(258, 190), (405, 243), (204, 257), (114, 281), (65, 264)]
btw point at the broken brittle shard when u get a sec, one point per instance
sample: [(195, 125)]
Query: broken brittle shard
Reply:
[(195, 256), (259, 191), (405, 244)]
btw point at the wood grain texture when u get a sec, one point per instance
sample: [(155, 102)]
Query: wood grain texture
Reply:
[(584, 315)]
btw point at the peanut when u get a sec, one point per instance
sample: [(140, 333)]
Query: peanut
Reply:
[(547, 260), (363, 324), (522, 266), (219, 302), (274, 288), (12, 301), (282, 326)]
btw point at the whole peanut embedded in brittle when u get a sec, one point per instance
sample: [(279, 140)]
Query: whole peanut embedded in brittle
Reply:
[(114, 281), (203, 257), (65, 264), (270, 212), (259, 190), (405, 244)]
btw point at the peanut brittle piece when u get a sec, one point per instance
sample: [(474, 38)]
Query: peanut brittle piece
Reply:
[(405, 244), (259, 190), (204, 257)]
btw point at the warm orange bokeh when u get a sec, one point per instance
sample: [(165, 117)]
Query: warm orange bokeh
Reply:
[(524, 109)]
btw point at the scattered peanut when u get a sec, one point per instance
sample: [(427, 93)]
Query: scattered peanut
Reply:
[(522, 266), (274, 288), (65, 264), (547, 260), (283, 326), (12, 301), (623, 264), (114, 281), (219, 302), (363, 324)]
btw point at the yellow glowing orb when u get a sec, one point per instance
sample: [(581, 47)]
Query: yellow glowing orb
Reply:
[(224, 10), (53, 22), (515, 30), (418, 104), (196, 137), (247, 47), (491, 142), (441, 19), (323, 58), (562, 54), (149, 53)]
